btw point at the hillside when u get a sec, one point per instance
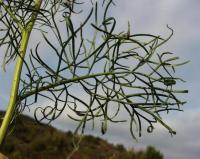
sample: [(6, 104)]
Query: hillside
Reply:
[(30, 140)]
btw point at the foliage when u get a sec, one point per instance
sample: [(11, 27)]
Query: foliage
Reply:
[(114, 71), (50, 143)]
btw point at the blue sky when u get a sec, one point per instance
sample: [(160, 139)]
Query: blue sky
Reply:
[(147, 16)]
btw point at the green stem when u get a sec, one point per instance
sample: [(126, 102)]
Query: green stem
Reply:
[(65, 81), (17, 73)]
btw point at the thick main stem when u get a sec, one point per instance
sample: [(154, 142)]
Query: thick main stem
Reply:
[(14, 88), (17, 73)]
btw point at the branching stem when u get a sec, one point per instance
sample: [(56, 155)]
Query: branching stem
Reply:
[(26, 31), (11, 15)]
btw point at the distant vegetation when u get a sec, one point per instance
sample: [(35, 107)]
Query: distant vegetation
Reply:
[(33, 141)]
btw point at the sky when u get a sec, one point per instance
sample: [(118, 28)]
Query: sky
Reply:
[(147, 16), (184, 17)]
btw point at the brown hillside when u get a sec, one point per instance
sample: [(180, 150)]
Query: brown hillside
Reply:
[(31, 140)]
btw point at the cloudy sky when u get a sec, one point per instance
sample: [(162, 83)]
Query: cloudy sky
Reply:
[(184, 17), (147, 16)]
